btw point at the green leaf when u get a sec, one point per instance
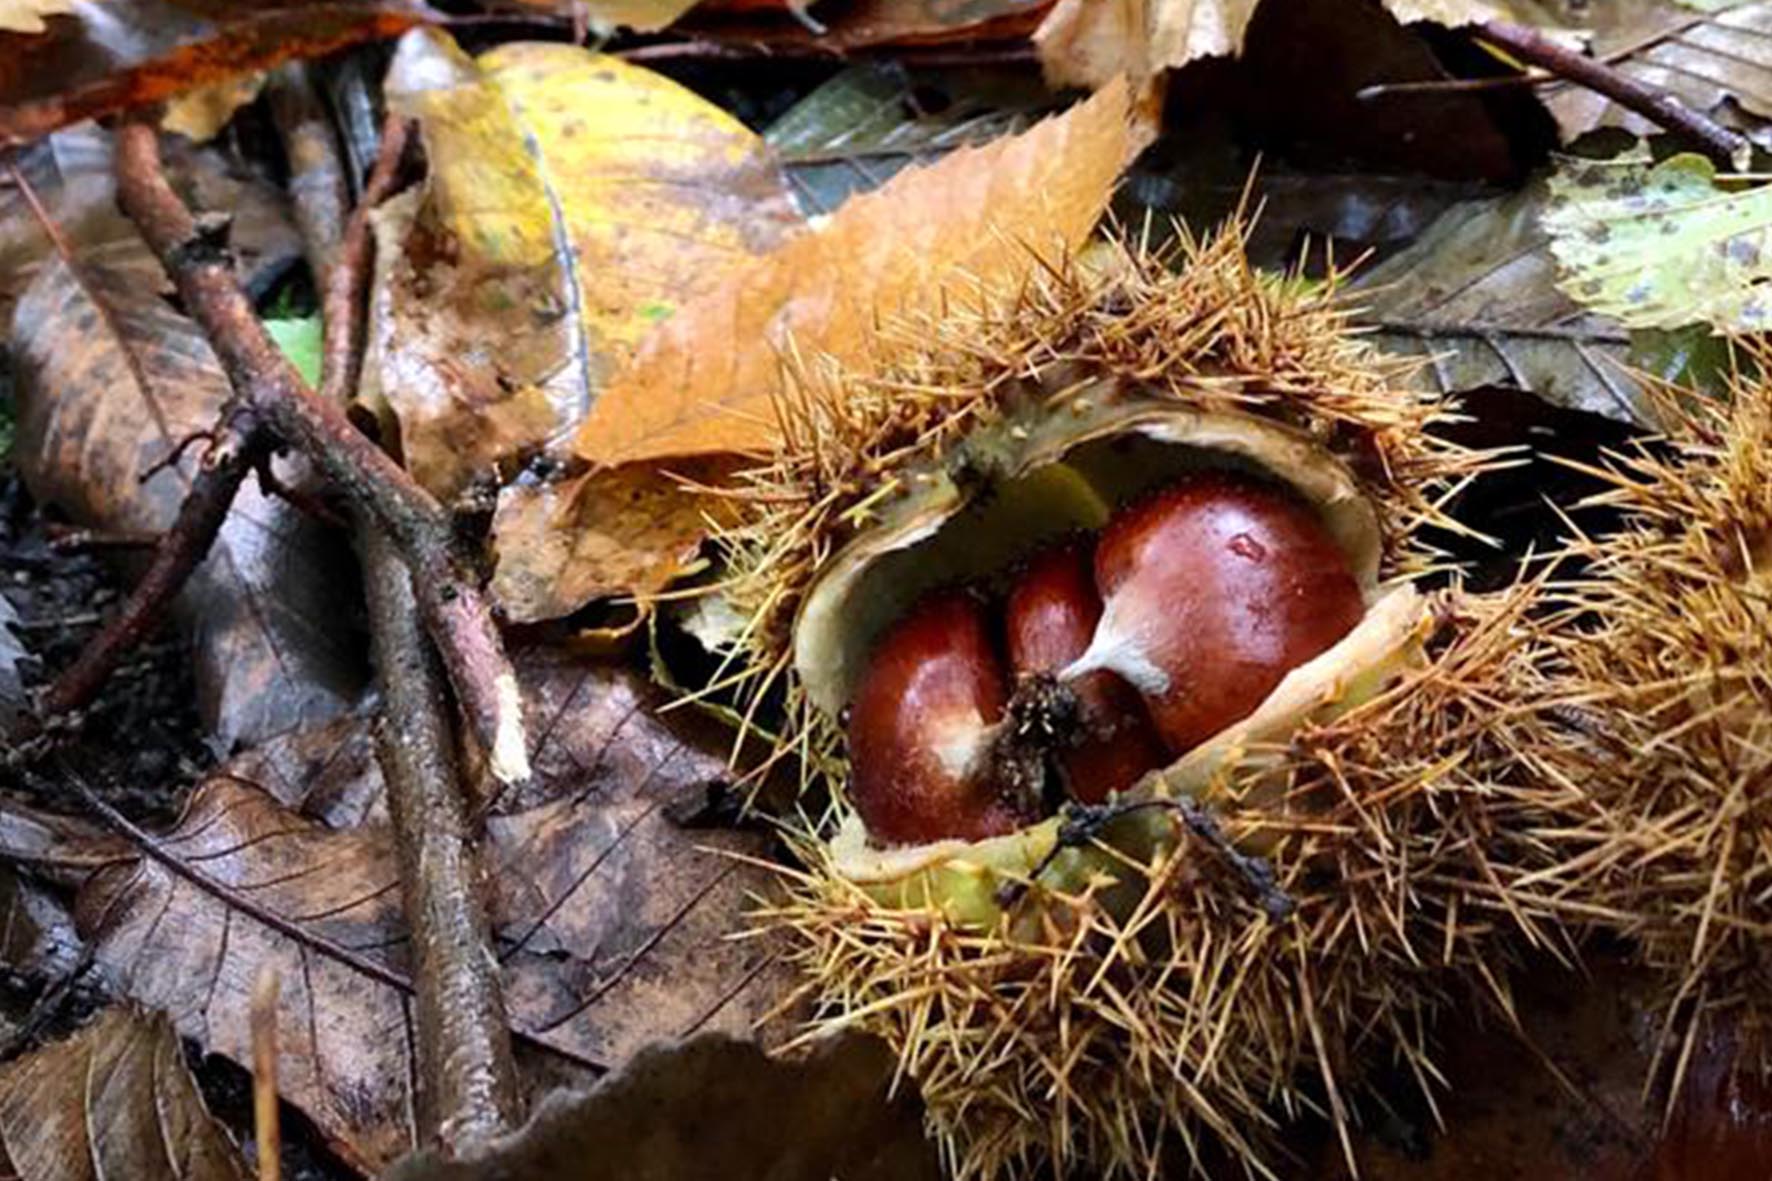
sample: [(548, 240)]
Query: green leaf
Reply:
[(1662, 246), (300, 342)]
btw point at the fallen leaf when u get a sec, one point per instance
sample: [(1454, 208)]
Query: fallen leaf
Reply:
[(26, 16), (868, 122), (1476, 298), (1091, 42), (1717, 62), (574, 202), (861, 24), (106, 391), (604, 17), (115, 1100), (712, 1105), (200, 114), (71, 173), (300, 340), (611, 901), (628, 531), (120, 56), (706, 381), (1456, 14), (1662, 245)]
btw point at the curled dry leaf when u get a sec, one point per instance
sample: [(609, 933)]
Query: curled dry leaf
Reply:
[(200, 114), (711, 1105), (119, 56), (1091, 42), (980, 219), (115, 1100), (110, 379), (629, 530), (573, 202), (612, 914), (26, 16)]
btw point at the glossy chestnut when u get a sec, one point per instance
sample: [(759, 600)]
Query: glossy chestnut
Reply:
[(921, 725), (1213, 590), (1049, 617)]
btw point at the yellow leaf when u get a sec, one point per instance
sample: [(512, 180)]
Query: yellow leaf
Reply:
[(573, 202), (26, 16), (706, 381), (1090, 42), (200, 114)]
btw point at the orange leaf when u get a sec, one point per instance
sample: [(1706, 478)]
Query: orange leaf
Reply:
[(706, 380)]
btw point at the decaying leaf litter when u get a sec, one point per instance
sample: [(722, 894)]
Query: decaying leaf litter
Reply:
[(612, 344)]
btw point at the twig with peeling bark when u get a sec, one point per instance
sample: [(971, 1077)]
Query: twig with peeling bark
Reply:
[(457, 614), (464, 1047)]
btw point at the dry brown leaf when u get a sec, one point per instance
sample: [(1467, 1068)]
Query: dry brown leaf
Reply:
[(71, 174), (574, 201), (101, 399), (26, 16), (706, 382), (611, 908), (604, 17), (1090, 42), (627, 531), (713, 1106), (126, 56), (115, 1100)]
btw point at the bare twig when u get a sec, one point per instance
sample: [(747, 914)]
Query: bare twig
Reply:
[(469, 1090), (456, 612), (342, 297), (267, 1126), (1534, 48), (236, 450)]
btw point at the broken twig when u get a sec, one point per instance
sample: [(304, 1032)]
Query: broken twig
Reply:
[(456, 611)]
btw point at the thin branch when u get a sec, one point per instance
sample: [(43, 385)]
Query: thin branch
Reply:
[(343, 297), (456, 611), (1661, 108), (238, 447), (470, 1088)]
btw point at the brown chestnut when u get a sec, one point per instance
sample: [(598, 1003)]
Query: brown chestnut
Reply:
[(922, 724), (1212, 591), (1050, 616)]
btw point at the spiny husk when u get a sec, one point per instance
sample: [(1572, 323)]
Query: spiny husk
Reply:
[(1193, 322), (1653, 736), (1102, 1020), (1090, 1032)]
